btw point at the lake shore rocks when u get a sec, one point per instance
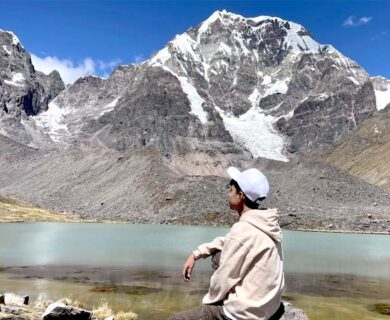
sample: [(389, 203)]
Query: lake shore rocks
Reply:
[(292, 313), (61, 310)]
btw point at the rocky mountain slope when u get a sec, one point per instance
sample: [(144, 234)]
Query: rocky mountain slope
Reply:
[(143, 186), (24, 92)]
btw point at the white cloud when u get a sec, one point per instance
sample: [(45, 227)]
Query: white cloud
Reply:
[(382, 34), (365, 20), (70, 71), (352, 22)]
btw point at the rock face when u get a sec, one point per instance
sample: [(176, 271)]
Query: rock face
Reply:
[(252, 87), (23, 91)]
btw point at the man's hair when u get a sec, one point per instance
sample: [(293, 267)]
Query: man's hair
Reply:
[(248, 202)]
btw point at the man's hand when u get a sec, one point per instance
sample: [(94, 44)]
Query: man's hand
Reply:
[(188, 266)]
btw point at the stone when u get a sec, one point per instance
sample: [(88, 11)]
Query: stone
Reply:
[(9, 310), (292, 313), (15, 299), (60, 311)]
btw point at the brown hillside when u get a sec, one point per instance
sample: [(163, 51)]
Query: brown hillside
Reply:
[(365, 152)]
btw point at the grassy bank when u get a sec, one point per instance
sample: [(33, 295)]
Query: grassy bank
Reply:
[(13, 210)]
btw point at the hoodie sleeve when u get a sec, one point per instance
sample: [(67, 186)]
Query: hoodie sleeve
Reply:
[(233, 265), (207, 249)]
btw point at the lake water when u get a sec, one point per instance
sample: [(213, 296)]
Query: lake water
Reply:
[(139, 267)]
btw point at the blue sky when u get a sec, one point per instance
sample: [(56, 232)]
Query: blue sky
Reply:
[(93, 36)]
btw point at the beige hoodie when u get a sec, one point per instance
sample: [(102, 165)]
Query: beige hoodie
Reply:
[(250, 277)]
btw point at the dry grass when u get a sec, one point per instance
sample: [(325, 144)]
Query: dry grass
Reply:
[(365, 152), (13, 210), (125, 315), (103, 311), (70, 302)]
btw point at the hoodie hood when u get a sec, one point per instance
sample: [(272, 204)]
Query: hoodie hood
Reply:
[(266, 221)]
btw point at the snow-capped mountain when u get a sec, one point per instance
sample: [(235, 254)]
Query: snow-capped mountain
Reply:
[(231, 85), (382, 92)]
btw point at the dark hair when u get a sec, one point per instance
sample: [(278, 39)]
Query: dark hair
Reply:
[(248, 202)]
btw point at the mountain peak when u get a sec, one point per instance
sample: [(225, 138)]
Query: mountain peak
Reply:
[(15, 40)]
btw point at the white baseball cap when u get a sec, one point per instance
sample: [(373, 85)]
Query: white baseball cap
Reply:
[(252, 182)]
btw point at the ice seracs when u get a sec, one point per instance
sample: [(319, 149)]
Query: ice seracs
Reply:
[(52, 121), (255, 131)]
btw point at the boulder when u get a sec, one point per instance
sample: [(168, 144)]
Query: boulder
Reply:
[(9, 310), (14, 299), (292, 313), (59, 311)]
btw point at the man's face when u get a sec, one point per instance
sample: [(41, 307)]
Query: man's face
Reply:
[(235, 199)]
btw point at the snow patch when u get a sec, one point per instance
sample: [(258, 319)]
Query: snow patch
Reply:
[(6, 49), (108, 107), (255, 97), (52, 121), (196, 100), (17, 80), (15, 39), (382, 98), (354, 80), (224, 48), (266, 80), (254, 130), (280, 86)]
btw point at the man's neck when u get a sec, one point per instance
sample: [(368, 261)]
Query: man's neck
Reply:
[(244, 209)]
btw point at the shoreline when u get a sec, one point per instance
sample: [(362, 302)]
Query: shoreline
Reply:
[(82, 221)]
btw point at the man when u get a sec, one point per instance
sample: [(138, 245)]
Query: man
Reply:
[(249, 281)]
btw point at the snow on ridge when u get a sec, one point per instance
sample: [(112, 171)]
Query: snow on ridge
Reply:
[(205, 25), (15, 39), (184, 44), (254, 130), (17, 80), (161, 57)]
